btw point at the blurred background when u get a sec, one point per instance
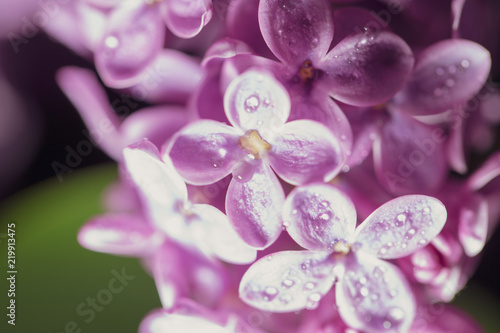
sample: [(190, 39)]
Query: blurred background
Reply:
[(57, 280)]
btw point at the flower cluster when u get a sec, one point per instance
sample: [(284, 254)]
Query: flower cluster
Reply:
[(303, 160)]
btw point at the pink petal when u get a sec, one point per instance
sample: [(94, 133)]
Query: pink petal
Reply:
[(455, 149), (205, 151), (318, 106), (170, 78), (446, 319), (318, 216), (254, 206), (401, 226), (256, 100), (157, 124), (485, 174), (221, 50), (213, 232), (446, 74), (409, 156), (119, 234), (88, 96), (374, 296), (161, 187), (287, 281), (305, 151), (473, 225), (131, 27), (296, 30), (186, 18), (367, 68)]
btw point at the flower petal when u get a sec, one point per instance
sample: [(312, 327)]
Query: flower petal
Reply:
[(161, 187), (287, 281), (446, 74), (409, 156), (161, 321), (256, 100), (473, 225), (132, 26), (119, 234), (254, 206), (401, 226), (305, 151), (367, 68), (317, 216), (186, 18), (205, 151), (296, 30), (374, 296), (83, 89), (485, 174), (157, 124), (214, 233)]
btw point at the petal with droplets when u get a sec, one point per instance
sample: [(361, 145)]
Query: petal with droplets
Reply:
[(215, 235), (473, 225), (374, 296), (254, 206), (131, 27), (296, 30), (256, 100), (120, 234), (305, 151), (288, 281), (401, 226), (367, 68), (446, 74), (318, 216), (205, 151)]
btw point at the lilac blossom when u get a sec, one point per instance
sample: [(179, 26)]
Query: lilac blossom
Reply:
[(299, 152), (371, 294)]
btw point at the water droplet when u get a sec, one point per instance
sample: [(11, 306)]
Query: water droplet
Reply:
[(440, 71), (325, 204), (288, 283), (400, 220), (285, 299), (294, 212), (326, 216), (271, 291), (387, 324), (252, 103), (266, 102), (269, 258), (286, 224), (450, 83), (260, 123), (422, 242), (215, 165), (343, 137), (404, 245), (393, 293), (346, 168), (396, 314), (410, 233), (375, 297), (382, 251), (364, 291), (427, 210), (363, 280), (314, 42), (312, 301), (309, 285), (465, 63)]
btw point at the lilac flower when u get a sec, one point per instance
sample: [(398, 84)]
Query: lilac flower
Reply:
[(299, 152), (371, 294)]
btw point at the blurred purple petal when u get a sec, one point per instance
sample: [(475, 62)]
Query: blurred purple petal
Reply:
[(486, 173), (305, 151), (254, 206), (205, 151), (473, 225), (401, 226), (256, 100), (214, 233), (409, 156), (455, 149), (120, 234), (287, 281), (318, 216), (367, 68), (88, 96), (298, 30), (131, 27), (186, 18), (374, 296), (446, 74)]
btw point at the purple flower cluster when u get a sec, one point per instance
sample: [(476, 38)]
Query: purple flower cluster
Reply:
[(318, 118)]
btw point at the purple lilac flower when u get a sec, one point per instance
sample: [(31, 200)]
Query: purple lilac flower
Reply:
[(371, 294), (299, 152)]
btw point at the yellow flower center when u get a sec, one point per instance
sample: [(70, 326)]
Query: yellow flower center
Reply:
[(253, 143)]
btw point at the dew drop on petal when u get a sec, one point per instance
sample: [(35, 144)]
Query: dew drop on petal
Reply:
[(285, 299), (400, 220), (410, 233), (112, 42), (288, 283), (252, 103), (465, 63), (309, 286), (313, 301), (364, 291)]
